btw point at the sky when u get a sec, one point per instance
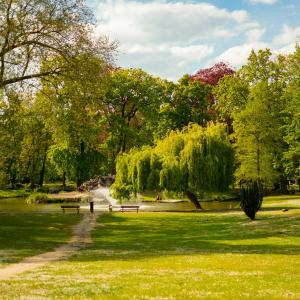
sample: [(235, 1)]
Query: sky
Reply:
[(172, 38)]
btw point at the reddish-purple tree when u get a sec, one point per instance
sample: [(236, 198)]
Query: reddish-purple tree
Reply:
[(212, 75)]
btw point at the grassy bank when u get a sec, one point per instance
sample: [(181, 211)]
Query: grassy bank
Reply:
[(13, 193), (179, 256), (23, 235), (48, 188)]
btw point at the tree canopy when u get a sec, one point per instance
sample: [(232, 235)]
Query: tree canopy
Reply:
[(33, 31)]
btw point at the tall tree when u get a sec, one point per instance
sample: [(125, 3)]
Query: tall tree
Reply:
[(254, 139), (292, 124), (33, 31), (12, 121), (256, 91), (188, 101), (73, 108), (131, 106), (212, 75)]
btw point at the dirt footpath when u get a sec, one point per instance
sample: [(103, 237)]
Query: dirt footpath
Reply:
[(80, 238)]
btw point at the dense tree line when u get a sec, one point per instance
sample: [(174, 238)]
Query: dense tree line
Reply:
[(67, 111), (261, 101)]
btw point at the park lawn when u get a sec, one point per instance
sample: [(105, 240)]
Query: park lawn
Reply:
[(220, 255), (23, 235), (282, 201)]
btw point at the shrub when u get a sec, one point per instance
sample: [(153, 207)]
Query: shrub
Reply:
[(121, 191), (37, 198), (251, 199)]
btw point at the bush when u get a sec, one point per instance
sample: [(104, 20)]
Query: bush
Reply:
[(251, 199), (121, 191), (37, 198)]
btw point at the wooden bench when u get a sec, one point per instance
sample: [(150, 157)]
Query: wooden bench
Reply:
[(129, 207), (65, 207)]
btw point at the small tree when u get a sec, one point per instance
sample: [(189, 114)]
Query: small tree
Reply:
[(191, 161), (251, 199)]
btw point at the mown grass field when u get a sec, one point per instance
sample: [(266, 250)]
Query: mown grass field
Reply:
[(23, 235), (220, 255)]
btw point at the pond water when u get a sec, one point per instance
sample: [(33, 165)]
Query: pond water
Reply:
[(19, 205)]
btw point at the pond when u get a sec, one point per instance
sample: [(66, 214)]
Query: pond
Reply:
[(13, 205)]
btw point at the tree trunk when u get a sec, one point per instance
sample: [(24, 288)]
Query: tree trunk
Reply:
[(258, 162), (42, 173), (193, 199), (283, 185), (64, 180), (80, 166), (123, 143)]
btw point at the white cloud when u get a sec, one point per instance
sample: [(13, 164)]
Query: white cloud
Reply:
[(168, 38), (283, 43), (179, 22), (255, 35), (236, 56), (166, 61), (287, 35), (263, 1)]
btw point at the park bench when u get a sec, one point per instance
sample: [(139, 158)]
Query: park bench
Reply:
[(129, 207), (72, 207)]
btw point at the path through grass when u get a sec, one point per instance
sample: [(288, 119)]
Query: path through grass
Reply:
[(23, 235)]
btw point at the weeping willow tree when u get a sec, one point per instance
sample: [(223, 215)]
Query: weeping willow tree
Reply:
[(193, 161)]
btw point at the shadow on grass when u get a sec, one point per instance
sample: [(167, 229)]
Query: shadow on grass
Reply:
[(138, 236), (26, 235)]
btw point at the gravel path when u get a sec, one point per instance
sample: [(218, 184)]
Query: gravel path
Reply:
[(80, 238)]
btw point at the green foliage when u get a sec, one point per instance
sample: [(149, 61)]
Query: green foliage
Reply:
[(11, 136), (121, 191), (252, 103), (231, 94), (255, 142), (195, 159), (188, 101), (251, 199), (131, 106), (292, 124), (71, 104), (37, 30), (37, 198)]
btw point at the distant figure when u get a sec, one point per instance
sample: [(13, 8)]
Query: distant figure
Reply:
[(110, 208)]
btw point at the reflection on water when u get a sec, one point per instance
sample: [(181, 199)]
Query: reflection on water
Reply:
[(20, 205)]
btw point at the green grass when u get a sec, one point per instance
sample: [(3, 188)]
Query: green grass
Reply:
[(179, 256), (13, 193), (24, 235)]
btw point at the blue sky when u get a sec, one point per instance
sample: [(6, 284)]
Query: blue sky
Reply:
[(172, 38)]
